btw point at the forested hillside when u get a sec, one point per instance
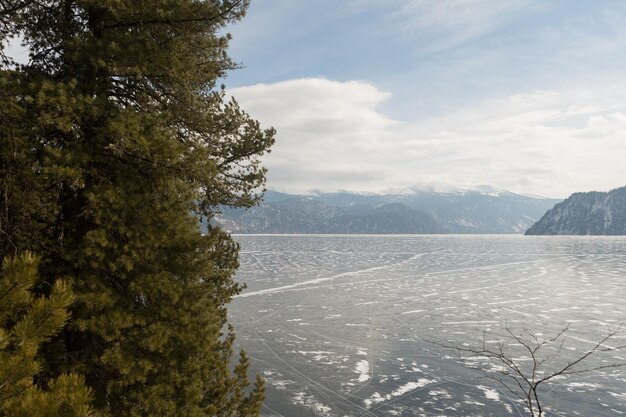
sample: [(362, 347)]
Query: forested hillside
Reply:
[(422, 211), (592, 213)]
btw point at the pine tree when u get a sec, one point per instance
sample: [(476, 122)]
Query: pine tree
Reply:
[(116, 139), (27, 322)]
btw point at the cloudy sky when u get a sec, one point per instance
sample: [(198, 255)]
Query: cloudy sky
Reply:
[(372, 95)]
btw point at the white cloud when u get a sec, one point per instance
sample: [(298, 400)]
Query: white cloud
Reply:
[(341, 107), (327, 130), (332, 136), (14, 49)]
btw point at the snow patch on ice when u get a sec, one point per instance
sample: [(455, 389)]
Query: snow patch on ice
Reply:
[(410, 386), (401, 390), (490, 393), (363, 368), (300, 398), (413, 311)]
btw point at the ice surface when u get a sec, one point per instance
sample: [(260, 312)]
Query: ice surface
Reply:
[(339, 325)]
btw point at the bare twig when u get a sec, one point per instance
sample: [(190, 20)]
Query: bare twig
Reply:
[(523, 376)]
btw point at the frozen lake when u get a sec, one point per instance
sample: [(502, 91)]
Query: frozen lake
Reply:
[(340, 325)]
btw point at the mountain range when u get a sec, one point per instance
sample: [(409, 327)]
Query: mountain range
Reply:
[(591, 213), (418, 211)]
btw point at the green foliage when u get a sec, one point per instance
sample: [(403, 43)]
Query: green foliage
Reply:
[(115, 138), (28, 321)]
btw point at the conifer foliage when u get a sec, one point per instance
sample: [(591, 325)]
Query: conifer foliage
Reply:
[(115, 139), (27, 322)]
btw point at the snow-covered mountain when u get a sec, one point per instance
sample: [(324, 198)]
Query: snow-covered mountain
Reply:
[(592, 213), (417, 211)]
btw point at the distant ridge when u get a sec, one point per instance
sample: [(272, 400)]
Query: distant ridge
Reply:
[(591, 213), (415, 212)]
